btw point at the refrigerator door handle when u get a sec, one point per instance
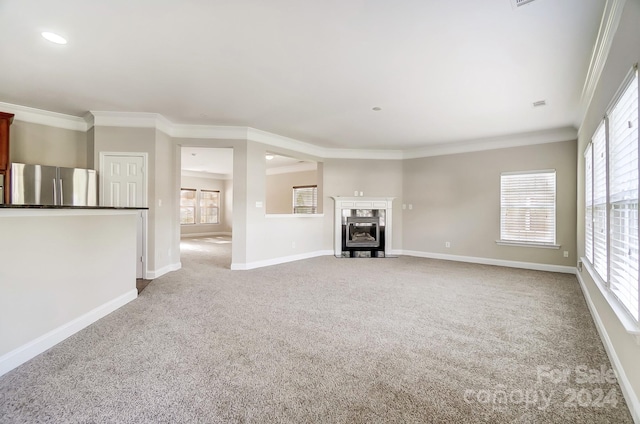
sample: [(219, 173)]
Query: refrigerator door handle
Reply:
[(55, 196), (61, 194)]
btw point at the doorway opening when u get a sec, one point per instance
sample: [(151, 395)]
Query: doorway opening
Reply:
[(206, 199)]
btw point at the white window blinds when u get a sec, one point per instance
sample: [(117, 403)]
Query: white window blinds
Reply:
[(588, 201), (209, 206), (600, 201), (623, 197), (305, 199), (528, 207), (187, 206)]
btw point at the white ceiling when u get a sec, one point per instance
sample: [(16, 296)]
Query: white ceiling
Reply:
[(442, 71)]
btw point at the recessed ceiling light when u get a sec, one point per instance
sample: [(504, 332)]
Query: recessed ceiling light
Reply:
[(377, 109), (54, 38), (269, 156), (540, 103)]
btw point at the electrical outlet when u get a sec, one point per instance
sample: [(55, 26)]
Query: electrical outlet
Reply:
[(355, 193), (404, 206), (566, 253), (410, 206), (361, 194), (447, 244)]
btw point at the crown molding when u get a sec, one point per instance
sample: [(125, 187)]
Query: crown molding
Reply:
[(364, 154), (45, 117), (298, 167), (131, 120), (607, 31), (276, 140), (207, 175), (159, 122), (208, 131), (502, 142)]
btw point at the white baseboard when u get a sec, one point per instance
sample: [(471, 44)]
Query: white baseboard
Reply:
[(19, 356), (281, 260), (489, 261), (164, 270), (210, 234), (629, 394)]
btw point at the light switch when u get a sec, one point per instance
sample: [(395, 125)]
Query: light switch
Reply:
[(258, 204)]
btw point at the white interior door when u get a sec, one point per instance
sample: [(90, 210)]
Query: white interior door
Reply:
[(123, 184)]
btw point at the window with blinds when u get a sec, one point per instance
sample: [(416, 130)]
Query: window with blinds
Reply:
[(209, 206), (305, 199), (187, 206), (623, 197), (588, 203), (611, 198), (599, 141), (528, 207)]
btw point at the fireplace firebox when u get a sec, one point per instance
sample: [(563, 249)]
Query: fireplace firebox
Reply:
[(363, 232)]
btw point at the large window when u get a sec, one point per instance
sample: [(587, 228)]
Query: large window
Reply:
[(528, 207), (611, 198), (305, 199), (199, 206)]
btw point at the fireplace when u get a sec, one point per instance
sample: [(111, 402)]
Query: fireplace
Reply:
[(362, 232), (362, 227)]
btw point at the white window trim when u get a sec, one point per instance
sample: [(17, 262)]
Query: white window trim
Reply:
[(522, 243), (628, 322), (528, 244)]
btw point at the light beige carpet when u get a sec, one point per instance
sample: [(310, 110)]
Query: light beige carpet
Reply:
[(326, 340)]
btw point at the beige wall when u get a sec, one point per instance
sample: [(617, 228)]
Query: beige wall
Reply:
[(625, 51), (279, 189), (375, 178), (45, 145), (55, 269), (205, 183), (456, 198)]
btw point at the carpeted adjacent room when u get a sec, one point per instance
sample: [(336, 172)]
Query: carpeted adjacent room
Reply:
[(329, 340)]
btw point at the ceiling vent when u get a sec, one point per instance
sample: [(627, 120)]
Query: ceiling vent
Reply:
[(540, 103), (518, 3)]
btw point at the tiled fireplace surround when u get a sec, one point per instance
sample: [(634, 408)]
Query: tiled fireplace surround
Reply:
[(362, 203)]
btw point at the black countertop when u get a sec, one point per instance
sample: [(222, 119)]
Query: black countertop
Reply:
[(12, 206)]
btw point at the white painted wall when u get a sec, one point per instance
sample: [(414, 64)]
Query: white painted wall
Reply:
[(56, 267)]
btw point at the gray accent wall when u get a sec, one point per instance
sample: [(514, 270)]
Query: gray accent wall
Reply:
[(456, 199)]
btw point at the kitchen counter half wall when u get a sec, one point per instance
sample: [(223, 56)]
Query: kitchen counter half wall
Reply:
[(61, 269), (13, 206)]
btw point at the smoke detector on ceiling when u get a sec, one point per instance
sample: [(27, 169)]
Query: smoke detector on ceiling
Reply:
[(518, 3)]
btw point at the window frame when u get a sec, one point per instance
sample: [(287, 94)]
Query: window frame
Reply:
[(509, 240), (630, 319), (313, 206), (201, 207), (183, 206)]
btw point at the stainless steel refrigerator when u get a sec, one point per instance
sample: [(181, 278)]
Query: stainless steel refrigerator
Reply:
[(51, 185)]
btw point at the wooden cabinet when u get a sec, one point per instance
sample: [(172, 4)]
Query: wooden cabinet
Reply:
[(5, 122)]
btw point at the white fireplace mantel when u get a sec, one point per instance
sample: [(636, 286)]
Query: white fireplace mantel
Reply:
[(362, 203)]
